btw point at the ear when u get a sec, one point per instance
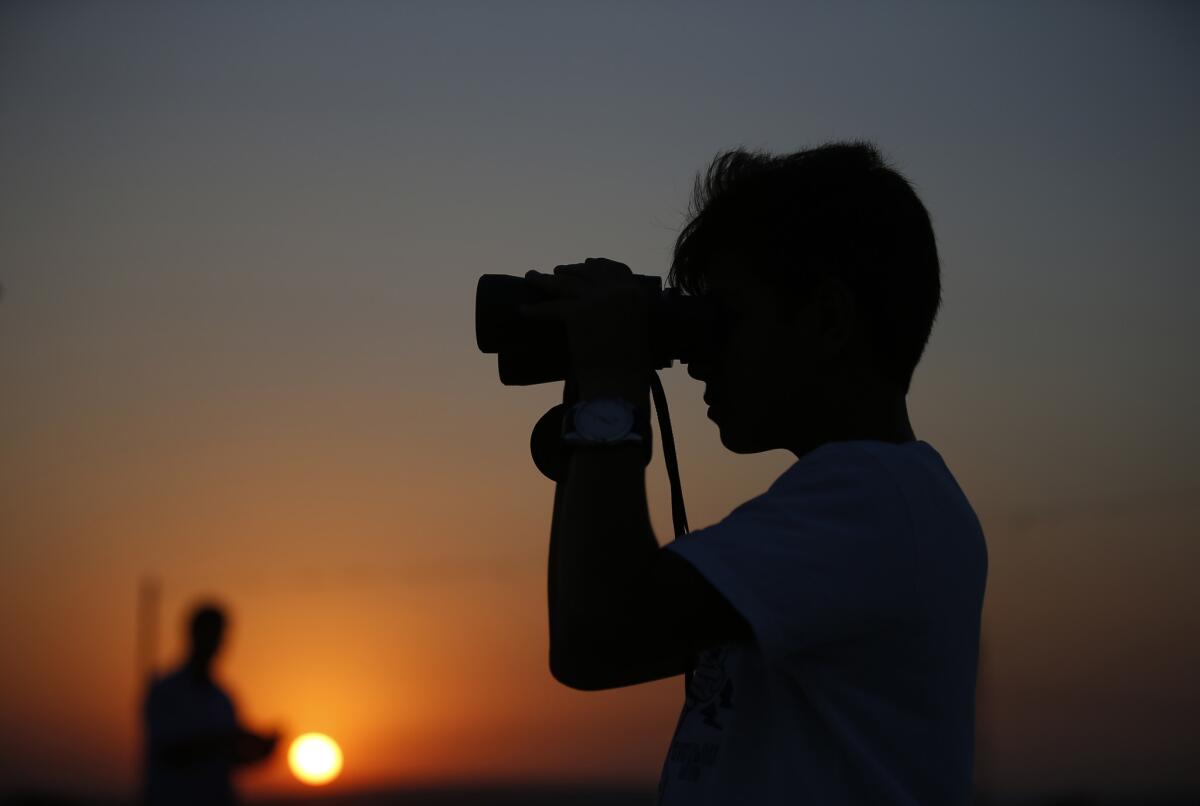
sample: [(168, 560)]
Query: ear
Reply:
[(836, 316)]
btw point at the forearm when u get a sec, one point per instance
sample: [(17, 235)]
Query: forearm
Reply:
[(603, 527), (602, 548), (602, 543), (193, 749), (237, 744)]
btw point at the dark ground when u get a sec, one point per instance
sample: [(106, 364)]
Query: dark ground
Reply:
[(563, 796), (549, 796), (482, 796)]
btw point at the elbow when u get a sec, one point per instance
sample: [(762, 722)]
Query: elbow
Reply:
[(565, 667), (573, 668), (576, 676), (568, 673)]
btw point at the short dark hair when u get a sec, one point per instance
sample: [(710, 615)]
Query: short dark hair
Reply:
[(206, 619), (838, 209)]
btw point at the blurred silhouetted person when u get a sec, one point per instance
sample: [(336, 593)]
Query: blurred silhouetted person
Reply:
[(193, 739), (828, 627)]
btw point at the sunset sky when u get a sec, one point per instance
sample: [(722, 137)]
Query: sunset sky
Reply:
[(238, 249)]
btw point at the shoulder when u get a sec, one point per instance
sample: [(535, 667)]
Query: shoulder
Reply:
[(946, 537), (165, 685), (833, 464), (838, 483), (889, 473), (832, 497), (165, 694)]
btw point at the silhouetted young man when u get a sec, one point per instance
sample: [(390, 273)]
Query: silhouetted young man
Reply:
[(193, 739), (831, 624)]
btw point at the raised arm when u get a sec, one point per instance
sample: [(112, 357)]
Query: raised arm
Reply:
[(622, 610)]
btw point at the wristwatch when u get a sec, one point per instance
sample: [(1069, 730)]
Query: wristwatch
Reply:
[(606, 421)]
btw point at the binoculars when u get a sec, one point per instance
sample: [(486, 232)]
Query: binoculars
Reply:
[(531, 352)]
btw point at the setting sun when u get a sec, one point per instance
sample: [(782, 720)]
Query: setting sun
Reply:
[(315, 758)]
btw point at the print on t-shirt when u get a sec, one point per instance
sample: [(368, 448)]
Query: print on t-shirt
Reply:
[(709, 693), (710, 688)]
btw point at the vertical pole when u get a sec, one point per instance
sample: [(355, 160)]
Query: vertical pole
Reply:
[(149, 603), (149, 599)]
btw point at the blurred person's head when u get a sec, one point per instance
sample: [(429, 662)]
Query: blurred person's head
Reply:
[(824, 266), (206, 629)]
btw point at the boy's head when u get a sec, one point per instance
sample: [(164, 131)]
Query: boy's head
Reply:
[(825, 266)]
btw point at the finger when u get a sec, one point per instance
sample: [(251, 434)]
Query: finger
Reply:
[(593, 267), (608, 268), (593, 272), (552, 285), (562, 274), (576, 274), (597, 271)]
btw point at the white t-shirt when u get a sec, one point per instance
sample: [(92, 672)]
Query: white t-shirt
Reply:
[(861, 572)]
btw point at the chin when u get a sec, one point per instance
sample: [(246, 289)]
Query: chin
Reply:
[(741, 442)]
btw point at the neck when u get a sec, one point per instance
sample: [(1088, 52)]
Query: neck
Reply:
[(858, 416), (199, 670)]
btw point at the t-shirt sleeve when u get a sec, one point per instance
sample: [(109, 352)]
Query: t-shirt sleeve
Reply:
[(825, 555)]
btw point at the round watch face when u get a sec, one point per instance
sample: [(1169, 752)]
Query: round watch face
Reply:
[(604, 420)]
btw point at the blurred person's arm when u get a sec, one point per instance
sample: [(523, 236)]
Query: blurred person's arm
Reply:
[(238, 745), (173, 743), (250, 747)]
